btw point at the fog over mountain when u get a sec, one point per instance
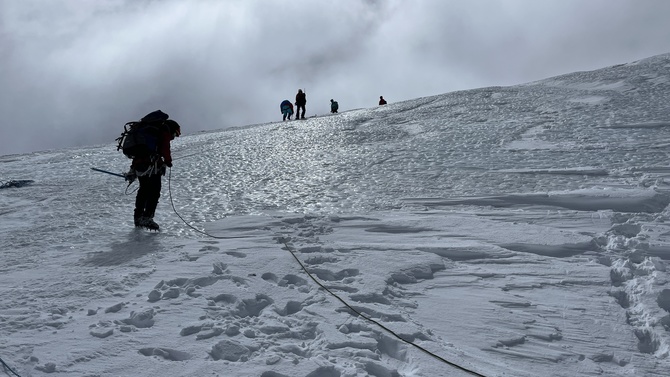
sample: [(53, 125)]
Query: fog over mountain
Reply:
[(73, 72)]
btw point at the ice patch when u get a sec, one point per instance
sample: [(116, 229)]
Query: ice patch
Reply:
[(591, 100), (621, 200)]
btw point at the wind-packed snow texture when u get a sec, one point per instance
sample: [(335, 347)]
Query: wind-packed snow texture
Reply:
[(514, 231)]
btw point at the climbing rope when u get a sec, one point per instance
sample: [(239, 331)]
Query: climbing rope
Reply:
[(290, 250), (7, 368)]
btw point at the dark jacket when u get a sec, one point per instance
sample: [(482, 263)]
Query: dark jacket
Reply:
[(300, 99), (286, 106), (163, 156)]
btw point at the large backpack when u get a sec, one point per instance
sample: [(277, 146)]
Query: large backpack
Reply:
[(140, 139)]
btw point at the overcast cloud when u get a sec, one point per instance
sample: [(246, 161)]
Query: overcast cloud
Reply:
[(72, 72)]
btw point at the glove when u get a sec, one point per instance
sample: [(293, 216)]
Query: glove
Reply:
[(130, 176), (168, 164)]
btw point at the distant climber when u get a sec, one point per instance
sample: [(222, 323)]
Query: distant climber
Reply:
[(300, 102), (382, 101), (334, 106), (286, 108)]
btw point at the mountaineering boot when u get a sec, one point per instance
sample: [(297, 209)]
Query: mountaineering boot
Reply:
[(149, 223)]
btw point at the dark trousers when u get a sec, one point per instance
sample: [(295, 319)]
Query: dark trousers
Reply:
[(297, 113), (147, 196)]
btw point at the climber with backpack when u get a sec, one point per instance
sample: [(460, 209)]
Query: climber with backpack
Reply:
[(300, 102), (334, 106), (147, 142), (286, 108)]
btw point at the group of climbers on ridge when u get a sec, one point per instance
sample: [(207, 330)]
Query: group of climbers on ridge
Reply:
[(286, 106)]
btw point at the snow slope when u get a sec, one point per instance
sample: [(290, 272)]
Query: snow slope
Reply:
[(506, 231)]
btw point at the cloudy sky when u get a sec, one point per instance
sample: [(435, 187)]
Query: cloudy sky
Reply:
[(72, 72)]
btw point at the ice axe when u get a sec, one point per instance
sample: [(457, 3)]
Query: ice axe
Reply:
[(124, 176)]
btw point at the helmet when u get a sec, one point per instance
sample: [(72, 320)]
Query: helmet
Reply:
[(175, 129)]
